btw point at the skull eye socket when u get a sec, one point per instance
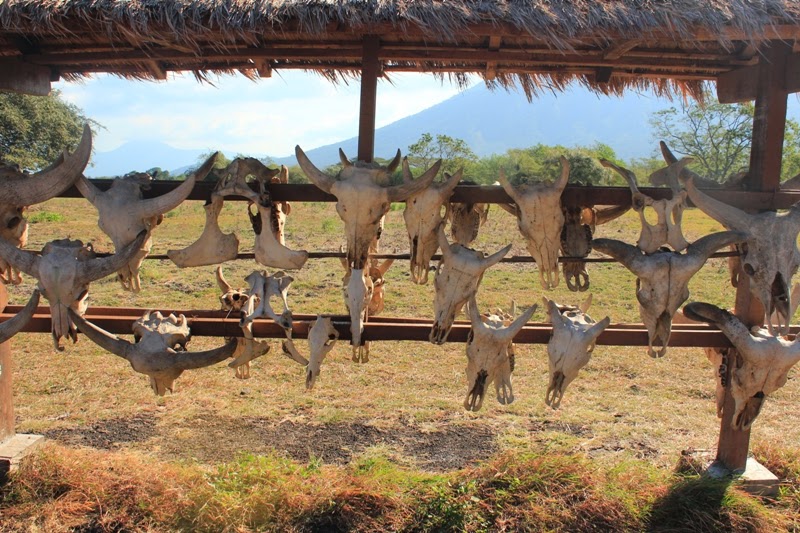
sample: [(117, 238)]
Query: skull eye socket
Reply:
[(235, 297), (748, 268)]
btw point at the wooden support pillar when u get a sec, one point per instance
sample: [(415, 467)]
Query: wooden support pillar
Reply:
[(6, 397), (370, 71)]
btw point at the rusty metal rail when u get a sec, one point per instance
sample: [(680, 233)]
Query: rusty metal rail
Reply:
[(206, 323)]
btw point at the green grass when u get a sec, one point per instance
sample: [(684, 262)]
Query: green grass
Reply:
[(44, 216)]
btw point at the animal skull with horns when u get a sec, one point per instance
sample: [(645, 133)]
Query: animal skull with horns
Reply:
[(321, 338), (19, 190), (459, 273), (262, 288), (571, 345), (362, 199), (64, 269), (422, 216), (662, 279), (762, 361), (667, 229), (159, 350), (466, 219), (769, 255), (487, 356), (540, 220), (124, 213)]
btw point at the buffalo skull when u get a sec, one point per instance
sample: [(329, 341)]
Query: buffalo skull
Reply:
[(362, 199), (321, 338), (466, 219)]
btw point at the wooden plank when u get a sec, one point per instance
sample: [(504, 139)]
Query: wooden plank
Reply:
[(621, 48), (769, 120), (6, 394), (26, 78), (370, 70), (741, 85)]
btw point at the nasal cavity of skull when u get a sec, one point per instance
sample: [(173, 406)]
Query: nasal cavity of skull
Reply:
[(777, 289), (650, 215)]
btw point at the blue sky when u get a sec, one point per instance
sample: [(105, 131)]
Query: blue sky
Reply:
[(237, 115)]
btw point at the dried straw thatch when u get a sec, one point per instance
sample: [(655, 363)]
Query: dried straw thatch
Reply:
[(608, 45)]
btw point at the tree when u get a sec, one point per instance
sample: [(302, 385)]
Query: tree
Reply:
[(34, 130), (454, 153)]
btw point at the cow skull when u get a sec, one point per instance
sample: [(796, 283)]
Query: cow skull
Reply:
[(64, 270), (540, 220), (361, 198), (364, 296), (19, 190), (262, 288), (769, 255), (321, 338), (662, 279), (422, 216), (669, 213), (159, 350), (466, 219), (14, 325), (762, 361), (124, 214), (570, 347), (213, 246), (459, 273), (487, 357), (576, 240)]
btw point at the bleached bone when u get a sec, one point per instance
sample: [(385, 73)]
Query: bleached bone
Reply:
[(458, 275), (762, 364), (280, 210), (466, 219), (123, 213), (13, 325), (19, 190), (487, 357), (269, 251), (499, 318), (247, 349), (540, 220), (422, 216), (160, 348), (769, 256), (213, 246), (363, 297), (662, 279), (669, 213), (64, 270), (262, 288), (362, 199), (576, 240), (570, 347), (734, 181), (321, 338)]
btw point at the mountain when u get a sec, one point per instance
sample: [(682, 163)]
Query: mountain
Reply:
[(489, 121)]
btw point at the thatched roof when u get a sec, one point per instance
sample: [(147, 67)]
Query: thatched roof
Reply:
[(608, 45)]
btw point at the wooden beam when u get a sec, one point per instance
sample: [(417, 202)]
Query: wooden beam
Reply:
[(769, 119), (370, 70), (156, 70), (618, 50), (26, 78), (741, 85), (6, 393)]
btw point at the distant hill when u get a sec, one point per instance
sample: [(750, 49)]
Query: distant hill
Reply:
[(490, 122)]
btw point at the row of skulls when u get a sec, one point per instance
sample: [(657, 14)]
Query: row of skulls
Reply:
[(766, 242)]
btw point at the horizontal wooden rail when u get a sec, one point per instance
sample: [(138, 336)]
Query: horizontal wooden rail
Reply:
[(206, 323), (492, 194)]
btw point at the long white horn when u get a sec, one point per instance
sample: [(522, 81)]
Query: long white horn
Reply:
[(564, 177), (495, 257), (508, 334), (510, 190), (392, 166), (50, 182), (398, 193), (315, 175), (344, 159), (166, 202), (452, 181), (22, 260), (628, 255), (100, 267), (101, 337), (12, 326), (727, 215), (629, 176), (223, 285), (192, 360)]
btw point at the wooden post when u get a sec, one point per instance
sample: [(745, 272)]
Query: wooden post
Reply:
[(766, 151), (6, 396), (370, 70)]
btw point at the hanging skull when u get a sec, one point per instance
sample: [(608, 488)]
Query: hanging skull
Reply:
[(321, 338)]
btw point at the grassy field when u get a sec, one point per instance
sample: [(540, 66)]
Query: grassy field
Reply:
[(385, 445)]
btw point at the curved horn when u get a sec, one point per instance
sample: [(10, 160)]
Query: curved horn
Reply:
[(553, 311), (628, 255), (441, 237), (598, 328), (11, 327), (101, 337), (166, 202), (283, 176), (50, 182), (315, 175), (707, 245), (100, 267), (451, 182), (508, 334), (601, 216), (384, 267), (670, 158), (344, 159), (87, 189), (392, 166), (398, 193), (407, 177), (495, 257), (727, 215), (22, 260), (510, 190), (584, 307), (193, 360), (475, 315), (562, 180), (731, 326), (223, 285), (629, 176)]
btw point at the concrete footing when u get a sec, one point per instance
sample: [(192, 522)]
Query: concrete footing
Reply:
[(13, 449), (755, 479)]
